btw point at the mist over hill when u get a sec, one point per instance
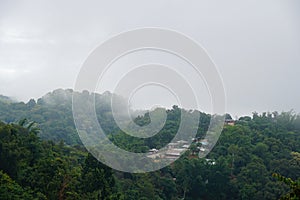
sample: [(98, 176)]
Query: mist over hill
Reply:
[(240, 165), (53, 113)]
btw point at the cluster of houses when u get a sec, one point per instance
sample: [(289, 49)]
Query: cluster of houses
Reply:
[(175, 149)]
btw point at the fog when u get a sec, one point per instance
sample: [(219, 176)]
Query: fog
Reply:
[(254, 44)]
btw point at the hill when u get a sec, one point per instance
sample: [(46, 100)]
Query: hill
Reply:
[(256, 157), (53, 113)]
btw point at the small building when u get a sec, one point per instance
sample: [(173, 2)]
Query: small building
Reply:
[(210, 161), (172, 145), (153, 156), (204, 142), (182, 142), (201, 149), (153, 150), (174, 153), (229, 122)]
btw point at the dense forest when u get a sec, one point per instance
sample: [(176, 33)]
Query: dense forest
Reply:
[(41, 156), (53, 113)]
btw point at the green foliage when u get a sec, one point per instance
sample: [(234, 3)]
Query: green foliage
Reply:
[(10, 190), (53, 113), (46, 170), (294, 194), (239, 167), (97, 180)]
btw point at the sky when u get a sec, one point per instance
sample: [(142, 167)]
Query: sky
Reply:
[(255, 45)]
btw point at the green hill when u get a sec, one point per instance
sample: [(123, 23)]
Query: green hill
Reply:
[(256, 157), (53, 113)]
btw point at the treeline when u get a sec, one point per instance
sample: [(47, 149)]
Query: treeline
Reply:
[(244, 160), (241, 164), (53, 113), (35, 169), (257, 158)]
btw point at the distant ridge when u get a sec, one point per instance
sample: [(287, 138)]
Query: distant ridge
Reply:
[(5, 99)]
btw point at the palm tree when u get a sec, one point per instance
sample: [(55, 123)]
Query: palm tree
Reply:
[(31, 126)]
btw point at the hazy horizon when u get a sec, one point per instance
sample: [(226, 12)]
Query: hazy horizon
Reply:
[(166, 107)]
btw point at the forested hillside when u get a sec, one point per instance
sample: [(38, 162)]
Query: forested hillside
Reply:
[(257, 157), (53, 113)]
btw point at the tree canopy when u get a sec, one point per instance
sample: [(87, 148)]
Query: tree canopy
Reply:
[(41, 157)]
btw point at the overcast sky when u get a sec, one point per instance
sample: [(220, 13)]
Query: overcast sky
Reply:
[(255, 44)]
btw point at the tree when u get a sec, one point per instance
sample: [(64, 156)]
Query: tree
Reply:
[(97, 179), (10, 190), (294, 193)]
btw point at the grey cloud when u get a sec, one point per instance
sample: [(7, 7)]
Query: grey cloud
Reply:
[(255, 44)]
